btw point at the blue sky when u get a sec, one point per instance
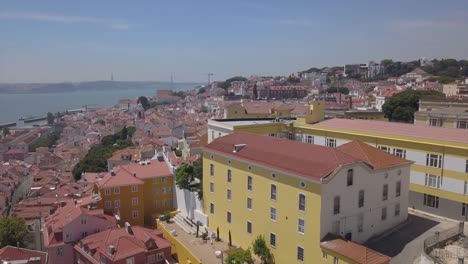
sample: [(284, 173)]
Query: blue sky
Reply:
[(52, 41)]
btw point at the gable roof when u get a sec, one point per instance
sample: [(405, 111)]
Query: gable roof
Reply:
[(10, 253), (354, 251), (376, 158)]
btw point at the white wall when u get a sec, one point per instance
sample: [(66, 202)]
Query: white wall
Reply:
[(372, 184), (189, 205), (455, 163)]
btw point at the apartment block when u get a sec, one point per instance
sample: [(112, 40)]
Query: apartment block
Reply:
[(302, 198)]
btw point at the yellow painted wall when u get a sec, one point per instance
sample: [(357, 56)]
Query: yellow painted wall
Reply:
[(126, 206), (184, 255), (285, 227), (149, 196)]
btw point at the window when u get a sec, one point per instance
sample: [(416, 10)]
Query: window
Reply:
[(434, 160), (300, 225), (59, 251), (397, 209), (134, 201), (151, 258), (249, 183), (330, 142), (273, 192), (117, 203), (160, 256), (211, 187), (324, 255), (228, 216), (360, 224), (273, 213), (211, 170), (437, 122), (398, 189), (300, 253), (335, 260), (336, 205), (349, 178), (163, 190), (385, 192), (135, 214), (163, 179), (249, 203), (384, 213), (84, 234), (400, 153), (464, 205), (107, 191), (465, 187), (463, 124), (385, 149), (83, 221), (249, 227), (466, 167), (432, 181), (309, 139), (291, 136), (68, 236), (336, 227), (228, 194), (134, 188), (155, 180), (155, 191), (130, 260), (229, 176), (108, 204), (156, 204), (361, 199), (272, 240), (212, 208), (116, 190), (302, 202), (431, 201)]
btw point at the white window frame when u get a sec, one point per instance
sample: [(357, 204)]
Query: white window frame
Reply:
[(134, 188), (273, 213), (433, 181), (249, 183), (273, 240), (249, 226), (108, 204), (301, 202), (273, 192), (462, 124), (107, 191), (330, 142), (249, 203), (134, 201), (229, 194), (399, 153), (300, 253), (211, 169), (229, 176), (434, 160), (301, 226), (116, 190), (116, 203), (229, 217), (212, 208), (135, 214), (211, 187)]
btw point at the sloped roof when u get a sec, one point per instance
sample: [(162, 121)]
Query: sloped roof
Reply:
[(354, 251), (10, 253)]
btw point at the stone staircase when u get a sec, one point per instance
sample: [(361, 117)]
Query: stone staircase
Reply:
[(187, 225)]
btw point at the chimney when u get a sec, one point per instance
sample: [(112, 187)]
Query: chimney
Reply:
[(134, 174), (128, 228), (112, 173), (111, 250)]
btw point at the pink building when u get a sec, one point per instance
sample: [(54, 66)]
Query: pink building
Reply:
[(130, 244), (68, 225)]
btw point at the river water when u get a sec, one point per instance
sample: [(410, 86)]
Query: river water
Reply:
[(15, 106)]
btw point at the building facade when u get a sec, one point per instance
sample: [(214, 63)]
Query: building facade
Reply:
[(295, 194)]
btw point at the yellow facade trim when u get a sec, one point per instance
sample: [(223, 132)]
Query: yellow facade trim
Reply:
[(439, 193)]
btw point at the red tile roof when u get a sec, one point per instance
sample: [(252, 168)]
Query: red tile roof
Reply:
[(312, 161), (354, 251), (397, 129), (10, 253), (126, 244)]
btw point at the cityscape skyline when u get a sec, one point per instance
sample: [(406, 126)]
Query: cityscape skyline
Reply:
[(53, 42)]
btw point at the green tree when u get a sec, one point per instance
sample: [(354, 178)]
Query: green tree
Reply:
[(261, 249), (6, 131), (255, 92), (184, 176), (50, 118), (144, 102), (201, 90), (401, 107), (239, 256), (204, 109), (12, 231), (124, 133)]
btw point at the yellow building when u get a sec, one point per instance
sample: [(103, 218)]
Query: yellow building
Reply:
[(296, 194), (137, 193)]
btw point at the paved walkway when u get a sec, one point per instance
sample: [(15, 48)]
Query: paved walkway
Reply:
[(405, 245)]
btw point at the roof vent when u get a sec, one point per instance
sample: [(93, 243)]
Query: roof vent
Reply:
[(111, 250), (134, 174), (238, 147), (112, 173)]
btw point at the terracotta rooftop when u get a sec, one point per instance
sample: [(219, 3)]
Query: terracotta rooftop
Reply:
[(356, 252), (396, 129), (12, 254), (308, 160), (126, 243)]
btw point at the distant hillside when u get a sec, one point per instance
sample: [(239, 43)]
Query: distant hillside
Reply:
[(22, 88)]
